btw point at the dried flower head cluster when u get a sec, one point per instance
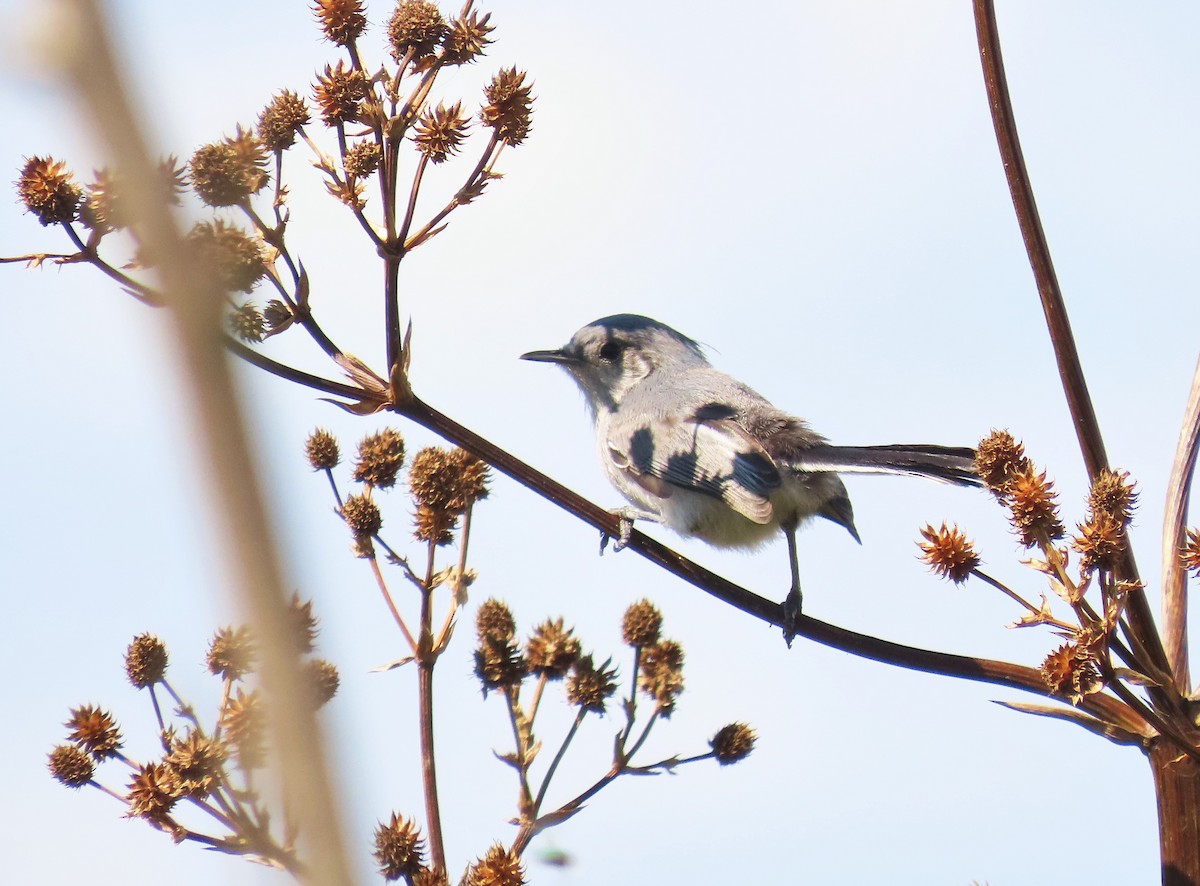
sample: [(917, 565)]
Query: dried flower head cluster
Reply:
[(1033, 507), (498, 659), (441, 131), (509, 110), (233, 257), (399, 848), (197, 763), (380, 458), (415, 29), (228, 172), (48, 190), (551, 650), (661, 674), (1190, 555), (1102, 539), (284, 117), (338, 93), (444, 483), (322, 451), (145, 661), (1071, 671), (948, 552), (590, 686), (641, 624), (732, 743), (342, 21), (497, 867)]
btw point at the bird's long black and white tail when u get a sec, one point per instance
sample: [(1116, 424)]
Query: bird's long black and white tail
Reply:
[(947, 464)]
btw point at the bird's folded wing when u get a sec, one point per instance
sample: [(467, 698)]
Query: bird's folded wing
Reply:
[(712, 456)]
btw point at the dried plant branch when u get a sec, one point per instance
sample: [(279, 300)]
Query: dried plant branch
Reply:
[(1174, 581), (1083, 413), (102, 95)]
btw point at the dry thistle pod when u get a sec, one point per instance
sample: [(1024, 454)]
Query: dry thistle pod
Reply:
[(195, 764), (244, 727), (247, 323), (380, 458), (152, 795), (362, 159), (498, 867), (48, 190), (231, 653), (466, 39), (281, 120), (1190, 555), (321, 450), (509, 107), (338, 92), (415, 29), (1033, 504), (641, 624), (362, 516), (551, 650), (998, 459), (440, 132), (71, 766), (732, 743), (1071, 672), (323, 680), (145, 660), (661, 674), (398, 848), (948, 552), (94, 730), (227, 172), (234, 258), (342, 21), (588, 686)]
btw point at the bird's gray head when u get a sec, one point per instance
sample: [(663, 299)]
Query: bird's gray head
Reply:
[(610, 355)]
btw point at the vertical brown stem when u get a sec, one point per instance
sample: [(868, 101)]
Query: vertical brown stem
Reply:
[(426, 658), (1070, 369), (1175, 590), (1177, 785)]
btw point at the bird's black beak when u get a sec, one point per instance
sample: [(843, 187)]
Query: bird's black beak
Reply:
[(558, 356)]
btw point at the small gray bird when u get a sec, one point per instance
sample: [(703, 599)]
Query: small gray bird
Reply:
[(697, 450)]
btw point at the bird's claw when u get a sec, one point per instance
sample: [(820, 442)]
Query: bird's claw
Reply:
[(791, 614), (624, 530)]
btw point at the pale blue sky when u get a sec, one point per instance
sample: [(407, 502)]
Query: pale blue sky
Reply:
[(813, 190)]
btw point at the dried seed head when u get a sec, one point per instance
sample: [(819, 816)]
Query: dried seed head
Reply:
[(323, 680), (380, 458), (509, 106), (551, 650), (94, 730), (447, 480), (440, 131), (494, 622), (362, 516), (145, 660), (152, 793), (244, 726), (303, 625), (1190, 555), (1033, 506), (948, 552), (71, 766), (499, 664), (1070, 672), (281, 119), (1101, 541), (342, 21), (105, 208), (231, 653), (498, 867), (227, 172), (398, 848), (641, 624), (49, 191), (466, 39), (1112, 493), (416, 25), (430, 877), (338, 92), (278, 316), (661, 674), (362, 159), (234, 259), (588, 686), (434, 527), (732, 743), (999, 458), (195, 764), (247, 323), (321, 449)]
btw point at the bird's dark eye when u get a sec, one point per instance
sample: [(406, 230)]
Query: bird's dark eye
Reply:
[(609, 351)]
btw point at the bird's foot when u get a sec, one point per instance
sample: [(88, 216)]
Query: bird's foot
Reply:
[(791, 614), (625, 518)]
